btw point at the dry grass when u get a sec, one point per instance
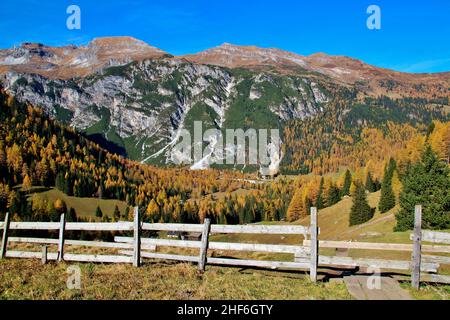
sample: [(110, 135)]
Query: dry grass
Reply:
[(28, 279), (85, 207)]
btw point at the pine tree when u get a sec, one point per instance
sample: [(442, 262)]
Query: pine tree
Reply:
[(427, 183), (72, 216), (387, 200), (361, 211), (347, 183), (116, 213), (319, 199), (370, 184), (98, 212), (308, 205), (333, 195)]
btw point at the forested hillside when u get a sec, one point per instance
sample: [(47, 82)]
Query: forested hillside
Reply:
[(38, 151)]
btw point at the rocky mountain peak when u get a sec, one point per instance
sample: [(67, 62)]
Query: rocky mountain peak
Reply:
[(75, 61)]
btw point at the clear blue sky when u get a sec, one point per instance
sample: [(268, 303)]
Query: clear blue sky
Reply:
[(414, 35)]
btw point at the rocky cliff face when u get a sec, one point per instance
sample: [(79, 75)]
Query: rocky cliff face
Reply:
[(136, 99), (142, 106)]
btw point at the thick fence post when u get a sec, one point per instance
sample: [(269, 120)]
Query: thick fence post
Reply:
[(62, 227), (204, 245), (5, 236), (314, 246), (416, 254), (136, 239), (44, 255)]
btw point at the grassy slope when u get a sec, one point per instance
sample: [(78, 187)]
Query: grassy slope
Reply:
[(28, 279), (180, 281), (85, 207)]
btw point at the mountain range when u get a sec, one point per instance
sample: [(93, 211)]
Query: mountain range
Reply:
[(134, 99)]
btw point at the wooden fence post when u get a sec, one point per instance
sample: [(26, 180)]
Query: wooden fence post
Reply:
[(204, 245), (5, 236), (314, 245), (136, 239), (44, 255), (416, 254), (62, 226)]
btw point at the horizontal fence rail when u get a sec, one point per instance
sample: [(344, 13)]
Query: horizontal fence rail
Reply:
[(133, 249)]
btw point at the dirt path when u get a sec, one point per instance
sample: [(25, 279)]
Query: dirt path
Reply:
[(365, 288)]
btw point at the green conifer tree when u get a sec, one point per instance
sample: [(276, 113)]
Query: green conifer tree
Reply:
[(360, 211), (426, 183), (347, 184), (319, 200), (98, 212), (387, 200), (370, 184)]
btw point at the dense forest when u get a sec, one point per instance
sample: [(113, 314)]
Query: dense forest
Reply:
[(36, 151)]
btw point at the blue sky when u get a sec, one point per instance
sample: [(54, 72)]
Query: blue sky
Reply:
[(414, 35)]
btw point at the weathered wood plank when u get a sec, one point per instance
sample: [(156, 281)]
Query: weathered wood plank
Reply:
[(74, 226), (434, 236), (97, 258), (252, 229), (258, 263), (62, 225), (84, 243), (438, 278), (44, 255), (4, 246), (232, 246), (204, 245), (136, 239), (354, 288), (416, 254), (181, 227), (377, 246), (224, 261), (71, 257), (163, 256), (162, 242), (436, 259), (314, 242), (258, 247), (426, 277), (259, 229), (30, 254), (100, 226), (392, 290), (377, 263), (34, 225)]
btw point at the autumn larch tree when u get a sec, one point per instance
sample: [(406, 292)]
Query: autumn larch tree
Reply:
[(295, 208)]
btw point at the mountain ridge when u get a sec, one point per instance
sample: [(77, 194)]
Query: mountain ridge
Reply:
[(137, 98)]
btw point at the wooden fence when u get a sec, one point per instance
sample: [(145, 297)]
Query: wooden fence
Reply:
[(306, 255)]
